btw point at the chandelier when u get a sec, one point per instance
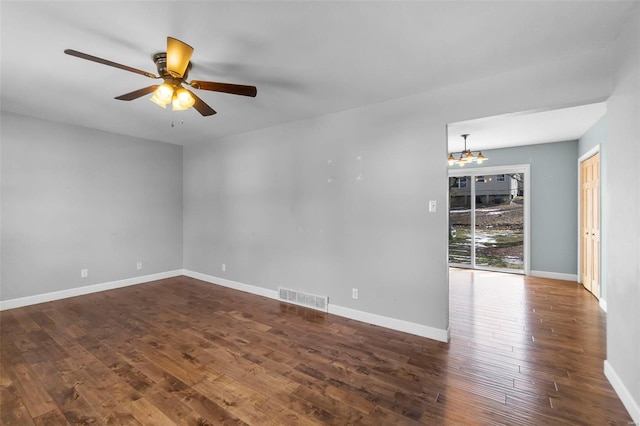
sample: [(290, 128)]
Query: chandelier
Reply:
[(466, 156)]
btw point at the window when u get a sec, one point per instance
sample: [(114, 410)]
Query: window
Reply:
[(462, 182), (500, 178), (480, 179)]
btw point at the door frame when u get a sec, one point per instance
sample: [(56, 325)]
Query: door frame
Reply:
[(494, 170), (593, 151)]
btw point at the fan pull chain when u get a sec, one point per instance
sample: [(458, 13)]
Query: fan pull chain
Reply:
[(172, 122)]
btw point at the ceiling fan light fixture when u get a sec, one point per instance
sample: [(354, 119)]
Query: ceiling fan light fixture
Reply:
[(177, 107), (163, 95), (157, 101), (182, 100)]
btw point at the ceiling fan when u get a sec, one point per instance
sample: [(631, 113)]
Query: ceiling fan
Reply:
[(173, 67)]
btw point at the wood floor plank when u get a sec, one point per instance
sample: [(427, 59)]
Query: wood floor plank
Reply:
[(199, 403), (12, 409), (523, 351), (52, 418), (238, 399), (149, 414), (32, 393)]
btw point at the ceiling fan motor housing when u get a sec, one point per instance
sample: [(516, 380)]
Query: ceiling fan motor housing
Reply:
[(161, 64)]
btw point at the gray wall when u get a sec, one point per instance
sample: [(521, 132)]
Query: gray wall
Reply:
[(262, 202), (598, 135), (76, 198), (623, 207), (553, 198), (294, 206)]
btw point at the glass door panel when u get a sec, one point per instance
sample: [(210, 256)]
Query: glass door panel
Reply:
[(499, 221), (460, 208)]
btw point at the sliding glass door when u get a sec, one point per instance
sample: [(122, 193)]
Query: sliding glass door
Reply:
[(488, 218), (460, 215)]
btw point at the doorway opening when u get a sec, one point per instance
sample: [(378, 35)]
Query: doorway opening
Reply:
[(489, 218)]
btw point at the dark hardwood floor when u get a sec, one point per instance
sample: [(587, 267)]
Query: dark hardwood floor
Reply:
[(180, 351)]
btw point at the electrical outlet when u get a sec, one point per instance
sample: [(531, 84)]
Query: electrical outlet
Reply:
[(354, 293), (223, 268), (84, 273), (139, 266)]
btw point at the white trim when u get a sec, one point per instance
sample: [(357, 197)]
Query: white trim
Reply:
[(593, 151), (493, 170), (367, 317), (247, 288), (555, 275), (603, 305), (623, 393), (487, 268), (79, 291), (392, 323)]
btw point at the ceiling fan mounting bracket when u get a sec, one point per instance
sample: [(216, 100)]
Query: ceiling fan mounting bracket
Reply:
[(160, 60)]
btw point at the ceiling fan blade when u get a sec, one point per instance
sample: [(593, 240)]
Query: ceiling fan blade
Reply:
[(137, 93), (201, 106), (178, 56), (234, 89), (107, 62)]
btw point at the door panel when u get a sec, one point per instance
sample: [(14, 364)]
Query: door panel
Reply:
[(590, 224), (595, 278), (460, 238), (499, 221)]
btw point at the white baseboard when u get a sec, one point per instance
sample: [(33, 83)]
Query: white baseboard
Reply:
[(79, 291), (392, 323), (370, 318), (625, 396), (375, 319), (260, 291), (603, 305), (555, 275)]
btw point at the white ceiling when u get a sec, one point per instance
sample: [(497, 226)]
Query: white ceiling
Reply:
[(526, 128), (307, 58)]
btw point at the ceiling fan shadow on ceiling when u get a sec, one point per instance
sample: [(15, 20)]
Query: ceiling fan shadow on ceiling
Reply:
[(173, 67)]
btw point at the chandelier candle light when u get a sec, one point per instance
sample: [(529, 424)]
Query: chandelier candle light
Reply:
[(466, 156)]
